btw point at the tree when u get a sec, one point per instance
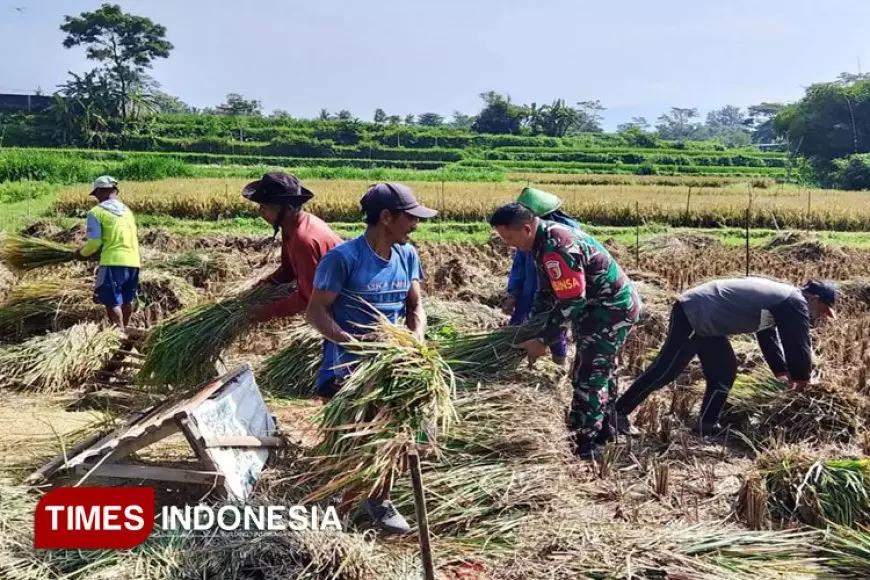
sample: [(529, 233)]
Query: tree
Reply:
[(589, 117), (729, 116), (760, 121), (393, 120), (554, 119), (281, 114), (462, 121), (638, 123), (430, 120), (126, 44), (848, 79), (728, 125), (409, 119), (169, 104), (345, 115), (238, 106), (499, 115), (84, 108), (380, 116), (677, 124), (324, 115), (831, 121)]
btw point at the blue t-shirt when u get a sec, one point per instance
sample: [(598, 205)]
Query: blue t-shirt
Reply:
[(358, 275)]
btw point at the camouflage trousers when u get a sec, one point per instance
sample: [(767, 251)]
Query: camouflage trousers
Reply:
[(598, 338)]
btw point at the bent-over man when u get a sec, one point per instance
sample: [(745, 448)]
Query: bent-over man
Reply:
[(780, 316)]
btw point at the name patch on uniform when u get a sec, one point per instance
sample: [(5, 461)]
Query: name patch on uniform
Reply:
[(566, 282)]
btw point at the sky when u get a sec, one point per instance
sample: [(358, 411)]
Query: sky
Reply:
[(638, 57)]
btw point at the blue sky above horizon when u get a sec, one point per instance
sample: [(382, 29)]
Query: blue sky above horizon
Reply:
[(637, 57)]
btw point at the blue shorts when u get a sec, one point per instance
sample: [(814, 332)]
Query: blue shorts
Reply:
[(116, 285)]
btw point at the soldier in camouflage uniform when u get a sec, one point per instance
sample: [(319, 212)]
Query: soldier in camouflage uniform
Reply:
[(580, 283)]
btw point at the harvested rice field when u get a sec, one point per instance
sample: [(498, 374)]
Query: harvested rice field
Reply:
[(785, 494)]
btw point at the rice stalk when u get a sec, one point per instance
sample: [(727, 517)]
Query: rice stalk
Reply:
[(292, 371), (821, 412), (400, 393), (816, 491), (200, 268), (478, 355), (165, 292), (559, 547), (46, 304), (183, 350), (22, 254), (847, 551), (57, 361)]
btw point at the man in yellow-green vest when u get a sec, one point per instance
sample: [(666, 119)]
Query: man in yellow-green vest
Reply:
[(111, 231)]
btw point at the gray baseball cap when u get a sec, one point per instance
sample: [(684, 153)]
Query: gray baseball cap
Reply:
[(394, 197)]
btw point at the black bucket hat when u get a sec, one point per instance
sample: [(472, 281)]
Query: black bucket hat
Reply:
[(277, 189)]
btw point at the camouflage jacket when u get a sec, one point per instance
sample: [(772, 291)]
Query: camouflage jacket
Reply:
[(576, 274)]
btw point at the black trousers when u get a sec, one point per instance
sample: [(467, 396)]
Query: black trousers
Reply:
[(681, 345)]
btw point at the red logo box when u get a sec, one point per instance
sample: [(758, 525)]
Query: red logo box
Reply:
[(94, 518)]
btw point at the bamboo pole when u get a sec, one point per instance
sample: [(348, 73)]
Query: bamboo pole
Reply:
[(422, 516)]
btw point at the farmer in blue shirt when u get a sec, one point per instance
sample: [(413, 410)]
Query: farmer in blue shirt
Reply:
[(382, 269), (523, 279)]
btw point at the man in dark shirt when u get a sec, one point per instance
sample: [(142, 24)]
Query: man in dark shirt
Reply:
[(780, 315)]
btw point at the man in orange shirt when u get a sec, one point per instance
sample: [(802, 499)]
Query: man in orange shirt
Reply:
[(305, 239)]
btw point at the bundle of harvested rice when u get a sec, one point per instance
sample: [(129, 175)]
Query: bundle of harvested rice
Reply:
[(292, 371), (813, 490), (167, 292), (668, 244), (400, 392), (482, 354), (821, 412), (183, 350), (201, 268), (556, 546), (48, 304), (446, 316), (847, 551), (57, 361), (7, 279), (483, 499), (513, 422), (21, 254), (507, 456)]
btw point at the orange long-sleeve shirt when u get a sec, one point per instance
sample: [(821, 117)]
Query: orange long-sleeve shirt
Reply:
[(301, 251)]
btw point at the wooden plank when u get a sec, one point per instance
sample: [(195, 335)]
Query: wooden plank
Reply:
[(152, 435), (143, 472), (47, 470), (243, 441), (196, 440)]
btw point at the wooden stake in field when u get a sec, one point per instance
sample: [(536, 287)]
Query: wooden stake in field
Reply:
[(747, 240), (422, 515), (637, 235)]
